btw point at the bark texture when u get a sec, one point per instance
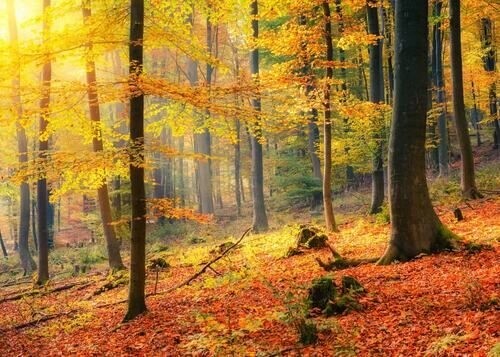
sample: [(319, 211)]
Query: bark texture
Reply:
[(437, 75), (415, 226), (27, 261), (136, 296), (43, 146), (330, 224), (376, 96), (259, 222), (467, 175), (112, 243)]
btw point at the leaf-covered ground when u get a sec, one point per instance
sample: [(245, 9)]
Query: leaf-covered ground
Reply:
[(446, 304)]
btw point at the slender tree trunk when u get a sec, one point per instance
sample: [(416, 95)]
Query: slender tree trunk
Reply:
[(237, 168), (437, 68), (475, 115), (312, 126), (490, 66), (349, 170), (415, 226), (387, 27), (467, 175), (327, 126), (259, 223), (112, 244), (376, 96), (33, 218), (27, 261), (43, 146), (2, 245), (136, 296)]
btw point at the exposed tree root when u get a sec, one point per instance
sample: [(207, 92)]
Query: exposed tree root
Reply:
[(339, 263)]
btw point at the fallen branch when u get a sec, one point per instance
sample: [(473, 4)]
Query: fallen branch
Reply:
[(206, 266), (39, 320), (42, 292)]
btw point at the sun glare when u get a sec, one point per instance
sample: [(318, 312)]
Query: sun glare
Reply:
[(25, 11)]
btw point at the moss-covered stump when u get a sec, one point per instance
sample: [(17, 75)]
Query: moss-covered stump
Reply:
[(321, 292), (325, 295), (351, 285), (311, 237)]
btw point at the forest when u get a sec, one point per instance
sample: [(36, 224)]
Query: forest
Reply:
[(249, 178)]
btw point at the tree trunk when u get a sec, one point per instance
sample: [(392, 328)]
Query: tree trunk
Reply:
[(415, 226), (2, 245), (259, 223), (437, 69), (136, 296), (327, 126), (467, 176), (43, 146), (112, 244), (312, 126), (237, 168), (27, 261), (376, 96), (349, 170), (489, 66)]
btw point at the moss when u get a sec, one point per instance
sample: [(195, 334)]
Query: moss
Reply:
[(308, 332), (445, 239), (321, 292), (351, 285)]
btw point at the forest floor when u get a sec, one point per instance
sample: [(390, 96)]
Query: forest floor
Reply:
[(254, 298)]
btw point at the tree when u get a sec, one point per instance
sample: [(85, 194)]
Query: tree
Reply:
[(489, 61), (136, 295), (43, 146), (112, 244), (312, 126), (327, 124), (376, 96), (467, 175), (415, 226), (437, 75), (27, 261), (259, 223)]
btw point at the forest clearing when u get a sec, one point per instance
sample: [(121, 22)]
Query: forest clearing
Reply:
[(249, 178)]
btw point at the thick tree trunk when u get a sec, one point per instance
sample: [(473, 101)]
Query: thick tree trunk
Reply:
[(376, 96), (467, 175), (136, 296), (415, 226), (259, 223), (330, 224), (112, 244), (27, 261), (43, 146)]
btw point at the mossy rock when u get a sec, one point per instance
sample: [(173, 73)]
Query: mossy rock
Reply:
[(321, 292), (317, 241), (306, 233), (351, 285), (158, 263)]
